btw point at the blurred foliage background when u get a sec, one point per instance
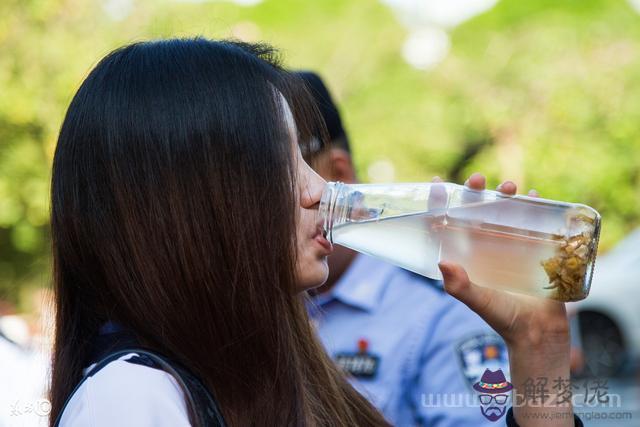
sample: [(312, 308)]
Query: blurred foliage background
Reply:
[(544, 92)]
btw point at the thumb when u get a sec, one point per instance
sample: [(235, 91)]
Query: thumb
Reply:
[(480, 299), (458, 285)]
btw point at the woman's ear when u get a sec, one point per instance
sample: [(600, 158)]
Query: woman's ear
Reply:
[(341, 166)]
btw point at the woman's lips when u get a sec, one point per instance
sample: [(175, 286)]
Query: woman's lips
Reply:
[(326, 245)]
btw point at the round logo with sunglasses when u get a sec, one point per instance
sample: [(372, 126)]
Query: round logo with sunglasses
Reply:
[(492, 389)]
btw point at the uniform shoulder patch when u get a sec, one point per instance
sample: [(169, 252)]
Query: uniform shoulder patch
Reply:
[(479, 352)]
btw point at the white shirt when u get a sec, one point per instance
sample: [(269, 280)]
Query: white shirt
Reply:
[(127, 394)]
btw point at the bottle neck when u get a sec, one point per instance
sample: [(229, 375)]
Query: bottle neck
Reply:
[(332, 207), (341, 204)]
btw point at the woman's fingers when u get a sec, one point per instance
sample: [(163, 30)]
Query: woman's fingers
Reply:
[(495, 307), (456, 281), (476, 181), (508, 188), (438, 196)]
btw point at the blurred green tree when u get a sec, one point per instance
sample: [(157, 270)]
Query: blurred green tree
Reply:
[(546, 93)]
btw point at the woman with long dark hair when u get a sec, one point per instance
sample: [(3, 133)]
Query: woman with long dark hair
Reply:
[(183, 224)]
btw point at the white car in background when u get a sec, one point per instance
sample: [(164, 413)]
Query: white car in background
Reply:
[(609, 318)]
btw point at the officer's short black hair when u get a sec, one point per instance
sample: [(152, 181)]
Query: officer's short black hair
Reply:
[(328, 109)]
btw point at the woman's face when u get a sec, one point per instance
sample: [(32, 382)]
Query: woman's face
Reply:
[(312, 248)]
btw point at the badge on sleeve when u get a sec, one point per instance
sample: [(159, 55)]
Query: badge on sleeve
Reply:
[(481, 352), (361, 364)]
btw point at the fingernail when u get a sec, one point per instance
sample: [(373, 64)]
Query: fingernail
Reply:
[(437, 179), (466, 183), (499, 187)]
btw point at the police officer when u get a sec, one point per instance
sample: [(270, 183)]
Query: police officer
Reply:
[(411, 348)]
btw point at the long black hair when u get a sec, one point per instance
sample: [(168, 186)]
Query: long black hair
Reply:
[(173, 214)]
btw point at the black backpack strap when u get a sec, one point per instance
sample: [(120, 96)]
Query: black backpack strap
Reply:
[(197, 396)]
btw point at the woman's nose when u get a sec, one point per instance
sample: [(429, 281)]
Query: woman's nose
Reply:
[(313, 192)]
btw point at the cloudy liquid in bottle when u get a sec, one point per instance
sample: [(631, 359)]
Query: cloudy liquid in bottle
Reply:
[(495, 256)]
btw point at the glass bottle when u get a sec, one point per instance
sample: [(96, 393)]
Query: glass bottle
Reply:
[(530, 245)]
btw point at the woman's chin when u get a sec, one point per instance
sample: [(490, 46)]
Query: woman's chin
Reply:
[(313, 276)]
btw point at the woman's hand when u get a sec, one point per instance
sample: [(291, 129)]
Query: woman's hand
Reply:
[(535, 330)]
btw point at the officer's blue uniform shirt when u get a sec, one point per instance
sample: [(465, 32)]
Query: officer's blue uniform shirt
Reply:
[(415, 351)]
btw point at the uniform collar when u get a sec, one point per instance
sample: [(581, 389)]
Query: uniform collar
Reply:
[(362, 285)]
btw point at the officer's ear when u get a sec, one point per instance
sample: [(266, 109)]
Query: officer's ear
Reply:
[(341, 166)]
